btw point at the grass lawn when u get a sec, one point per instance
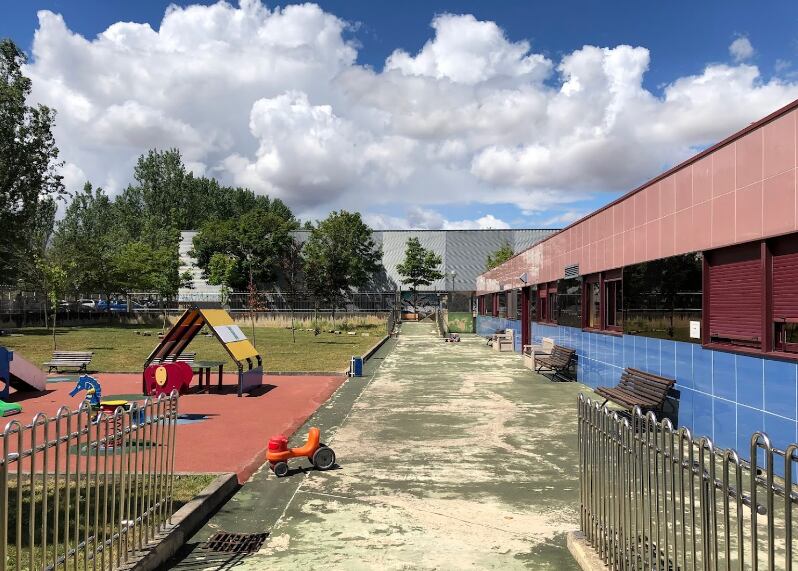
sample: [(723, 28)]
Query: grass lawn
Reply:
[(119, 349), (186, 487)]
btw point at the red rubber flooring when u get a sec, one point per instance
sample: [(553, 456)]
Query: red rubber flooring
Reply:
[(234, 433)]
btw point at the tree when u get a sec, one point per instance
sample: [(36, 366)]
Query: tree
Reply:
[(340, 254), (419, 267), (221, 269), (257, 239), (28, 161), (56, 280), (291, 269), (498, 257)]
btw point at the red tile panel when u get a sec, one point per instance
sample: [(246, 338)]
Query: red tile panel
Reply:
[(628, 248), (723, 219), (640, 208), (778, 203), (701, 235), (640, 244), (652, 202), (682, 234), (667, 199), (779, 145), (749, 213), (702, 180), (748, 163), (723, 170), (628, 213), (652, 240), (684, 188), (666, 235)]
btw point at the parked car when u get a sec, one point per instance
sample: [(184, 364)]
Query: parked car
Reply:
[(118, 306)]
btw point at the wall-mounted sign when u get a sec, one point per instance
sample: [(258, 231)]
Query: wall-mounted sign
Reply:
[(695, 330)]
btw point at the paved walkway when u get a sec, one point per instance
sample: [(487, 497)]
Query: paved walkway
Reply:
[(453, 457)]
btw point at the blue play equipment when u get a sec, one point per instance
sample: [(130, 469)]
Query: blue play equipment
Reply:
[(6, 357), (92, 387), (356, 367)]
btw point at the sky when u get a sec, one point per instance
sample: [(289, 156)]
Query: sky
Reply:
[(419, 114)]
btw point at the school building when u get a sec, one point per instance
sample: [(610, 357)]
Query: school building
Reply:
[(693, 276)]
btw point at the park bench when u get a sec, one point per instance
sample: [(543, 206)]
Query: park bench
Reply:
[(558, 362), (504, 341), (530, 352), (638, 388), (69, 360), (182, 358)]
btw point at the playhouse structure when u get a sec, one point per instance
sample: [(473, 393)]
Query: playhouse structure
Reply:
[(163, 370)]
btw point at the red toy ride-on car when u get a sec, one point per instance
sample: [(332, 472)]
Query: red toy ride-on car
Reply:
[(319, 454)]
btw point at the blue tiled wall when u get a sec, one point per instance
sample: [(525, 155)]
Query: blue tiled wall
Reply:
[(725, 396)]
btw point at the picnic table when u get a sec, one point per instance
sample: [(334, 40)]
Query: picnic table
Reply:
[(203, 368)]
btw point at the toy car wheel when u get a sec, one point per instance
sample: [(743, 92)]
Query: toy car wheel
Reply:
[(280, 469), (324, 458)]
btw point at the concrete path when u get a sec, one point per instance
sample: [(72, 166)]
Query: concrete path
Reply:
[(453, 457)]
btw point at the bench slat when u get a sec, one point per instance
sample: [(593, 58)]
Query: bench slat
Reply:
[(638, 388)]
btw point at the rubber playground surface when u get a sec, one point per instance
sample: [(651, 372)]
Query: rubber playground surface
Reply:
[(217, 432)]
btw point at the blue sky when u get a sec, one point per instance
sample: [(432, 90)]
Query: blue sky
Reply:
[(683, 40)]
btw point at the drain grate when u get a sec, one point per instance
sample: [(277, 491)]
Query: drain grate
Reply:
[(225, 542)]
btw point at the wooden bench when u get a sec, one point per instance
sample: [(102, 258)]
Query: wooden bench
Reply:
[(558, 362), (638, 388), (69, 360)]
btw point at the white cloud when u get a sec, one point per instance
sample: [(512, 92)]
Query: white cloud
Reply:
[(423, 219), (741, 49), (274, 99)]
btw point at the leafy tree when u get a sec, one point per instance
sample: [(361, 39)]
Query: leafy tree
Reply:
[(498, 257), (340, 254), (419, 267), (28, 162), (56, 281), (221, 269), (291, 269), (257, 239), (87, 239)]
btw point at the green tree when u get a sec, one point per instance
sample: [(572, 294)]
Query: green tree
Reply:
[(87, 240), (498, 257), (291, 270), (221, 269), (340, 254), (55, 281), (28, 162), (257, 239), (419, 267)]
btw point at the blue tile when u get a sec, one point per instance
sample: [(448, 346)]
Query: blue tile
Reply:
[(780, 390), (653, 355), (702, 415), (685, 417), (748, 421), (668, 359), (639, 353), (684, 364), (782, 433), (749, 380), (702, 369), (628, 347), (724, 382), (725, 424)]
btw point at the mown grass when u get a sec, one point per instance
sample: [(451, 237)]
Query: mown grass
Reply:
[(185, 488), (119, 348)]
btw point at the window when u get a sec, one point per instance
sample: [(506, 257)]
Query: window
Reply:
[(784, 282), (519, 304), (613, 300), (502, 304), (661, 297), (569, 302), (542, 295), (593, 298)]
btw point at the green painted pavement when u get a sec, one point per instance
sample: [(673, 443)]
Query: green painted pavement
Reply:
[(453, 456)]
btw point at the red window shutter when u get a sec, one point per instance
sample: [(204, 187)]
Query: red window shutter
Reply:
[(785, 278), (735, 294)]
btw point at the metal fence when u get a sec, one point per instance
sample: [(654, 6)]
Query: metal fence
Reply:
[(82, 489), (655, 497)]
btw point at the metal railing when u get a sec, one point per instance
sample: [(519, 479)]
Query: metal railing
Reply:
[(86, 489), (443, 328), (655, 497)]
